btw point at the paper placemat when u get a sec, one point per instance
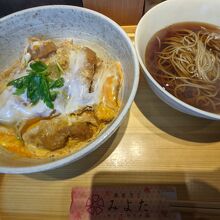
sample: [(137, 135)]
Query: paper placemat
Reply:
[(122, 203)]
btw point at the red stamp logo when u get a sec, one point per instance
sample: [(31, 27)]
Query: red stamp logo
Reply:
[(95, 204)]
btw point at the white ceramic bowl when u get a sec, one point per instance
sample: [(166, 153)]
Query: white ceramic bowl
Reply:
[(163, 15), (67, 21)]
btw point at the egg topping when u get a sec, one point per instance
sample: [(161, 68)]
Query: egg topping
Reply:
[(57, 98)]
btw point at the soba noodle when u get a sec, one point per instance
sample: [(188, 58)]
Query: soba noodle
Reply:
[(188, 65)]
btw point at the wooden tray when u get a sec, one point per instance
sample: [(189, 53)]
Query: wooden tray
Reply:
[(155, 145)]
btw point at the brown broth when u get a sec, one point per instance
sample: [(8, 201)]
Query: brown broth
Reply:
[(155, 45)]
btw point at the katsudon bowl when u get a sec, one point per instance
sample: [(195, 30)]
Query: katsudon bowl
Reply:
[(81, 25)]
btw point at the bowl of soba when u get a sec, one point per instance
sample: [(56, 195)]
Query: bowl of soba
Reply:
[(68, 78), (178, 46)]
